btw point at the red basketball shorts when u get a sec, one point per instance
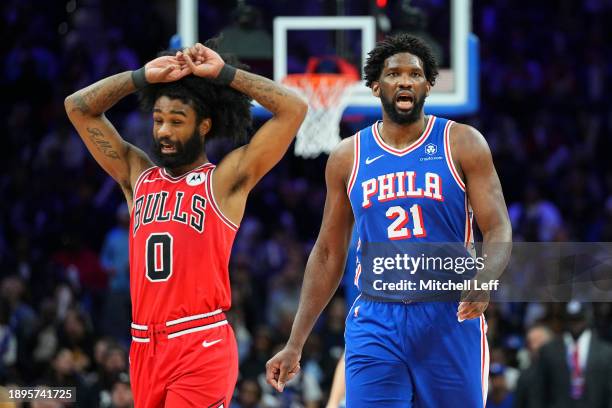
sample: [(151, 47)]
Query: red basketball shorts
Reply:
[(188, 362)]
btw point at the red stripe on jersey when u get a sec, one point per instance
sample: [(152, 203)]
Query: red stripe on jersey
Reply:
[(355, 168), (449, 156), (416, 144), (142, 176), (213, 203), (169, 177)]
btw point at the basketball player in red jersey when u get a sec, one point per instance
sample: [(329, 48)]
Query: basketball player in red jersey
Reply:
[(185, 211)]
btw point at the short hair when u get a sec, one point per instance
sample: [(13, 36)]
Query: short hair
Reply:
[(228, 109), (396, 44)]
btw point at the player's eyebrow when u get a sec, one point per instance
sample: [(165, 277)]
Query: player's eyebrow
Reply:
[(173, 111)]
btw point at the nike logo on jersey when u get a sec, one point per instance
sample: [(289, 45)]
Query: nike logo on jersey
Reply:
[(207, 344), (368, 160)]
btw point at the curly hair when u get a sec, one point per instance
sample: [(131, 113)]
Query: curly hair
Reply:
[(393, 45), (228, 109)]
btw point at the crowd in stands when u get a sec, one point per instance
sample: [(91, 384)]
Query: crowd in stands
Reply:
[(64, 279)]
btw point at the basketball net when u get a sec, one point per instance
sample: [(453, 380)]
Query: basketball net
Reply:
[(327, 95)]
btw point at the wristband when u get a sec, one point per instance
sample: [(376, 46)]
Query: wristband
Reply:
[(226, 75), (139, 78)]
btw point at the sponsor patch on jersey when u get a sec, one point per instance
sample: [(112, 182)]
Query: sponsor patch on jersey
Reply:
[(430, 150), (196, 179)]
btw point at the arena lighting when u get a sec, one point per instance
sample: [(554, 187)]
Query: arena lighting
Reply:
[(381, 3)]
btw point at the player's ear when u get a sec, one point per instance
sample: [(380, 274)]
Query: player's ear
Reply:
[(376, 89), (427, 88), (205, 126)]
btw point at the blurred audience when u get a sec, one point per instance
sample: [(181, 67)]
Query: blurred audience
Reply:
[(64, 297), (575, 369)]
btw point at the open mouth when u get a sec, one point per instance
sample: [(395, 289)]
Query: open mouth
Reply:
[(404, 101), (167, 148)]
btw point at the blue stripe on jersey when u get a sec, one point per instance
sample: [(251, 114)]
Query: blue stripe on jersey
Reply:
[(408, 195)]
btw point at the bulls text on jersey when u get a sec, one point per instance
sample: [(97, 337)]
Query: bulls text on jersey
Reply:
[(154, 208), (402, 184)]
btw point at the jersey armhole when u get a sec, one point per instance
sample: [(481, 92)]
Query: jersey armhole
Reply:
[(449, 155), (355, 168), (140, 180), (213, 202)]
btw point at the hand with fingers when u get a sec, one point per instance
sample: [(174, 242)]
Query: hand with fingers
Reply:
[(201, 60), (473, 304), (165, 69), (283, 367)]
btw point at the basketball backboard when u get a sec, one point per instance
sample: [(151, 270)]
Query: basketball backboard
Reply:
[(456, 90)]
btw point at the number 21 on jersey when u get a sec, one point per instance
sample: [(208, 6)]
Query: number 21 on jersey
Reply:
[(398, 230)]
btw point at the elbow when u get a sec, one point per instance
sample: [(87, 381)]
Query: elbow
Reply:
[(295, 108), (68, 103), (75, 104)]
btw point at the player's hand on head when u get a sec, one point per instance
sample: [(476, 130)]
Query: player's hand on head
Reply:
[(202, 61), (165, 69), (473, 304), (283, 367)]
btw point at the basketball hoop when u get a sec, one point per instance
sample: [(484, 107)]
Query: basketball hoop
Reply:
[(328, 96)]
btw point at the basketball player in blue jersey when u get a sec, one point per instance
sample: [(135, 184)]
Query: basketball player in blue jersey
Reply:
[(409, 178)]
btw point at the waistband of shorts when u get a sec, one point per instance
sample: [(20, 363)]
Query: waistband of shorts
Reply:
[(143, 333), (405, 301), (387, 300)]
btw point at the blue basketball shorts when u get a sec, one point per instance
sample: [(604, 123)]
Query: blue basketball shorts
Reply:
[(414, 356)]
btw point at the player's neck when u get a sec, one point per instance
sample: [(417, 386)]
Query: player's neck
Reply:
[(401, 136), (179, 171)]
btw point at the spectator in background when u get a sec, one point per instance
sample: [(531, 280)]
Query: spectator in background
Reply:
[(21, 323), (82, 269), (114, 258), (45, 340), (575, 370), (249, 394), (76, 335), (113, 365), (63, 372), (121, 393), (261, 348), (303, 391), (499, 394), (535, 219), (537, 336), (8, 345)]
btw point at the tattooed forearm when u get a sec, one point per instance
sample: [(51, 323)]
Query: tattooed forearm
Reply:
[(103, 145), (79, 104), (269, 94), (101, 96)]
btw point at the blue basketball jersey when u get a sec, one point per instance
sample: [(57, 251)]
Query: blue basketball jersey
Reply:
[(401, 350), (409, 195)]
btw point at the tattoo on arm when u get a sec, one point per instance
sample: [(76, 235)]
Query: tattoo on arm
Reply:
[(80, 104), (268, 93), (103, 145), (101, 96)]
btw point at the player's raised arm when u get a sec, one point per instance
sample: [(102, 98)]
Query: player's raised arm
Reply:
[(324, 268), (244, 167), (86, 107), (487, 200)]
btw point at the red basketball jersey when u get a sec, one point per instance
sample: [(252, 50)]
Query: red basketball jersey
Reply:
[(180, 245)]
